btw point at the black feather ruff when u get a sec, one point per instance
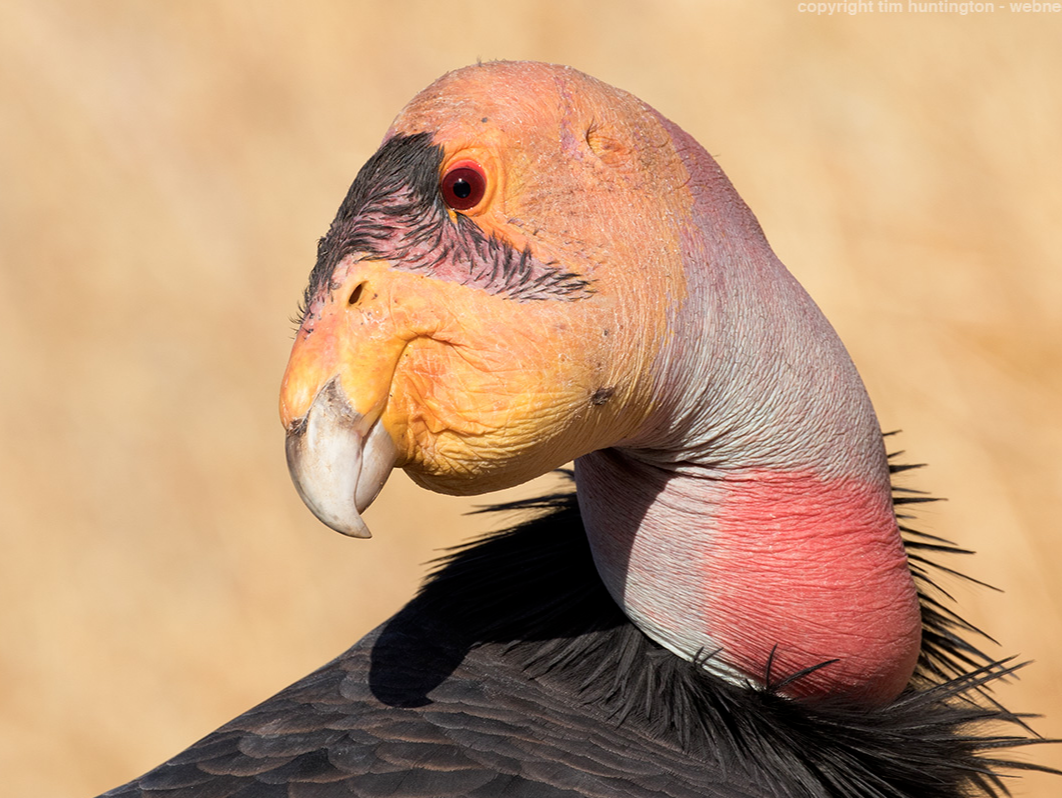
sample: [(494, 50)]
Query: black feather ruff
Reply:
[(945, 736), (513, 673)]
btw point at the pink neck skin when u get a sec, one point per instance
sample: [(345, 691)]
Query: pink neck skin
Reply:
[(752, 514), (760, 565)]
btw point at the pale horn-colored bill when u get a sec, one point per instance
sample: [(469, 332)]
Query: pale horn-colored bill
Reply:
[(339, 460)]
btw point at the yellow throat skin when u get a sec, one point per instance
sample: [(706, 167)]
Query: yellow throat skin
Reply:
[(477, 392)]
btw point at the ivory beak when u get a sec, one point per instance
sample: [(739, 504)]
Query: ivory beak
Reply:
[(339, 460)]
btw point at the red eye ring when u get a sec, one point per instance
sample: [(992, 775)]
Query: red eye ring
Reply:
[(463, 185)]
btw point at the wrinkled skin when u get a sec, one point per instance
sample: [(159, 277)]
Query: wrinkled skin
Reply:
[(610, 299)]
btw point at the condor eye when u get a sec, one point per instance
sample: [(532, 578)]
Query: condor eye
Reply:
[(463, 186)]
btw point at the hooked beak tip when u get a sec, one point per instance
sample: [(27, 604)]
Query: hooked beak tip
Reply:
[(339, 460)]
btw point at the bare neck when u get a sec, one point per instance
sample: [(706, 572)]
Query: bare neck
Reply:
[(752, 514), (759, 566)]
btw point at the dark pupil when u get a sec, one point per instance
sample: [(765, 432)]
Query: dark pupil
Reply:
[(463, 187)]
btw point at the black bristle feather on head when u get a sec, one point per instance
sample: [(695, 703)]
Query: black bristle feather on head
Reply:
[(394, 211), (398, 183)]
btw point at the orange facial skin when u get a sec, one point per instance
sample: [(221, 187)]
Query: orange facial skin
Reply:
[(478, 392), (481, 391)]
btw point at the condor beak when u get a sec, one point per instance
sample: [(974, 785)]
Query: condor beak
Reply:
[(333, 397), (339, 460)]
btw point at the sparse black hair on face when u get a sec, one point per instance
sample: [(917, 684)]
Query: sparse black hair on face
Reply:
[(397, 184), (394, 211)]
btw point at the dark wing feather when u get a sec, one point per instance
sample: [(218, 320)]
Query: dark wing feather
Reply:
[(513, 673), (482, 729)]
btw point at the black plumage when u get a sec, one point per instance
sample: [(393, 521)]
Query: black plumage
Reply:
[(514, 673)]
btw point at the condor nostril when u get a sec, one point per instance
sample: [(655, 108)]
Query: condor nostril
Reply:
[(355, 295)]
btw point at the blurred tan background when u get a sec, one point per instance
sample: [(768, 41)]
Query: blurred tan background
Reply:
[(166, 170)]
